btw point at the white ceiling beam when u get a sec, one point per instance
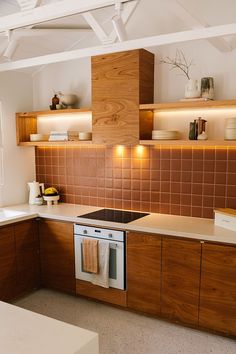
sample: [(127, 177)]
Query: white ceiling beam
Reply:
[(28, 4), (146, 42), (192, 22), (51, 12), (96, 27)]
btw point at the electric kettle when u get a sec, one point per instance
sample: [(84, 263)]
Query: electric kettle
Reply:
[(35, 189)]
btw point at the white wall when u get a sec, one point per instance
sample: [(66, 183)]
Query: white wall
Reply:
[(70, 77), (18, 162), (75, 76)]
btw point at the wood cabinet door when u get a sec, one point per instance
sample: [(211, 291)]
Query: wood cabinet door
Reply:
[(218, 288), (27, 256), (7, 264), (57, 255), (143, 272), (180, 279)]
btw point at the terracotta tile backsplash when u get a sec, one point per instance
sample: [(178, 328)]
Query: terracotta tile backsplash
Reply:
[(181, 181)]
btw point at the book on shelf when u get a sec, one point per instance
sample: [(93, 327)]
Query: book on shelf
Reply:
[(197, 99), (64, 136)]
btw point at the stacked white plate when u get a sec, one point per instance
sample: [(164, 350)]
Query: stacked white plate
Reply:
[(165, 135), (230, 129)]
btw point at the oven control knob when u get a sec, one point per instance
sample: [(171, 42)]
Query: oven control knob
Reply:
[(85, 232), (110, 235)]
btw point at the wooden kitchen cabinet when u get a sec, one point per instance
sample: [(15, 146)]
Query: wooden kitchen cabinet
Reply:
[(120, 82), (143, 272), (181, 262), (7, 264), (57, 255), (218, 288), (27, 256)]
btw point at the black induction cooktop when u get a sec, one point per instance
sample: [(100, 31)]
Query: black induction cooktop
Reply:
[(114, 215)]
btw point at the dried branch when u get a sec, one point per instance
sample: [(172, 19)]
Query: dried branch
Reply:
[(179, 62)]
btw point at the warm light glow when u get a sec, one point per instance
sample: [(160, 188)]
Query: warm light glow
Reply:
[(139, 150), (81, 122), (119, 150)]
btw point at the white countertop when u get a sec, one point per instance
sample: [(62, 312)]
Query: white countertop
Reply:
[(181, 226), (25, 332)]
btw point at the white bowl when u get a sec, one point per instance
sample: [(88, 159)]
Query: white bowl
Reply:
[(38, 137)]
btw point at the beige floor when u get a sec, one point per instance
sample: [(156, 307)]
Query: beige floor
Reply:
[(121, 332)]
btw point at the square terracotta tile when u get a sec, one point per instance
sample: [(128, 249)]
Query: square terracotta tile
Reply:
[(221, 154), (165, 153), (175, 187), (176, 153), (187, 165), (165, 176), (155, 197), (198, 154), (165, 186), (175, 176), (155, 153), (231, 178), (165, 165), (197, 188), (175, 165), (175, 198), (208, 213), (196, 212), (186, 176), (155, 164), (187, 153), (197, 177), (164, 198), (175, 209), (126, 174), (209, 165), (232, 166), (209, 154), (208, 189), (196, 200), (221, 166), (208, 201)]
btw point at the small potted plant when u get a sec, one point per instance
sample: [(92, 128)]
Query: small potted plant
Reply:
[(192, 88)]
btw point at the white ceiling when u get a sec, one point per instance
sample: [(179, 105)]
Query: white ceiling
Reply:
[(151, 17)]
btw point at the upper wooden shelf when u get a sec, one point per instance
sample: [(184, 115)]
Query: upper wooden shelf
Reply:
[(53, 112), (188, 105)]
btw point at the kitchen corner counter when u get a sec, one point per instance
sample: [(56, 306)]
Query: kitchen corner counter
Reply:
[(23, 331), (172, 225)]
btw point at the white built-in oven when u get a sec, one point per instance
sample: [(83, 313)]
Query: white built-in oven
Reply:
[(116, 241)]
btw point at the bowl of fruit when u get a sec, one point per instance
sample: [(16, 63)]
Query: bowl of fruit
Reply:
[(51, 195)]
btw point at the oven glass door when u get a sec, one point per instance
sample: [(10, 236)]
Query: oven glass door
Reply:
[(116, 263)]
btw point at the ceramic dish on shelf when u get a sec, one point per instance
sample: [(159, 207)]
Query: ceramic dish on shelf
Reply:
[(39, 137), (165, 135)]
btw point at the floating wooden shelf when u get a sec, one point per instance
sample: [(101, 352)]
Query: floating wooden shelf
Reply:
[(53, 112), (26, 124), (188, 105), (55, 143), (194, 143)]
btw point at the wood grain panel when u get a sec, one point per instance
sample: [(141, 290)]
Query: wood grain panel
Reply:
[(116, 90), (146, 77), (145, 124), (180, 280), (27, 256), (143, 272), (57, 255), (7, 264), (111, 295), (24, 127), (218, 288)]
